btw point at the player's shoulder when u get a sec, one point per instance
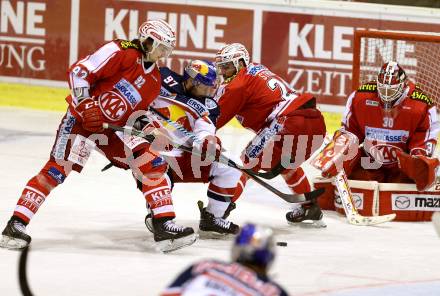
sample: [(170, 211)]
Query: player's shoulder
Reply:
[(171, 81), (195, 104), (253, 69), (418, 96)]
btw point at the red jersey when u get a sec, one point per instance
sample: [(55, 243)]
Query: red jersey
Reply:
[(411, 125), (256, 96), (118, 78)]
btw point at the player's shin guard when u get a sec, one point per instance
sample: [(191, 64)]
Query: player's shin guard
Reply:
[(297, 180), (37, 189), (240, 187), (157, 193)]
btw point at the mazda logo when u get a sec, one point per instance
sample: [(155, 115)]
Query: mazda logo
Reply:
[(402, 202)]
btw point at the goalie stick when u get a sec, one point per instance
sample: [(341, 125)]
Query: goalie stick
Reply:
[(350, 210), (341, 183), (290, 198)]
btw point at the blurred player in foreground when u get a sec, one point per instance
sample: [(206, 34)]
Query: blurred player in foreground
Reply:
[(253, 252)]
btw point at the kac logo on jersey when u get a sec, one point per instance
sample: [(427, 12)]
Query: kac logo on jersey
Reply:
[(129, 92), (113, 106), (386, 135)]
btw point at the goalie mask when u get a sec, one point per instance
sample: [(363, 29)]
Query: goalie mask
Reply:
[(254, 245), (230, 55), (391, 82), (163, 36)]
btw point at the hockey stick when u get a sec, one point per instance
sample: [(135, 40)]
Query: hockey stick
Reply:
[(265, 175), (351, 212), (22, 277), (341, 183), (290, 198)]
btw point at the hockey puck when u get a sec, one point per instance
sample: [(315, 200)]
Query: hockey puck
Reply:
[(282, 244)]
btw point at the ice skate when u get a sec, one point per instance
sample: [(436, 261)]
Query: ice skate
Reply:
[(14, 235), (149, 220), (215, 227), (306, 215), (170, 237)]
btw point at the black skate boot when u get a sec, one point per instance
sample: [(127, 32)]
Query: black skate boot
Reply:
[(307, 212), (214, 227), (170, 236), (14, 235)]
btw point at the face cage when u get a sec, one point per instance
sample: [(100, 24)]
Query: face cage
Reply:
[(384, 89)]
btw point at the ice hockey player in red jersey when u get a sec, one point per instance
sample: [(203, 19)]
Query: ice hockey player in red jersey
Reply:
[(252, 254), (397, 125), (110, 85), (187, 100), (288, 125)]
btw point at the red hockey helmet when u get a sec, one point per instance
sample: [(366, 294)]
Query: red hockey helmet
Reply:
[(391, 82)]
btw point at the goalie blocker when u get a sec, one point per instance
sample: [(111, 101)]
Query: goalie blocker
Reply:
[(373, 198)]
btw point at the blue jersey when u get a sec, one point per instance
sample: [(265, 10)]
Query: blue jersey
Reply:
[(211, 277), (172, 87)]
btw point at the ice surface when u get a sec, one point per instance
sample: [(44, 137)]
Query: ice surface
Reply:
[(89, 237)]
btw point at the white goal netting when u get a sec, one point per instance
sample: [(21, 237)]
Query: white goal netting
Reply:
[(417, 53)]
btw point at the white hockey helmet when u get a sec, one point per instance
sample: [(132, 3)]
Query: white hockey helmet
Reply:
[(391, 82), (233, 52), (162, 34)]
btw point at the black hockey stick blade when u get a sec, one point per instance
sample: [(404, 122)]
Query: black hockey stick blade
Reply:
[(22, 275)]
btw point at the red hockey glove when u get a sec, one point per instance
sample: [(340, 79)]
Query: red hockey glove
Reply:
[(211, 145), (92, 117), (421, 169)]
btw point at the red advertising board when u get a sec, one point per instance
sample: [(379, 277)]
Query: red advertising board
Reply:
[(34, 39), (314, 53), (201, 31)]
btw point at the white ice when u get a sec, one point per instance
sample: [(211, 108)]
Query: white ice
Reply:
[(89, 237)]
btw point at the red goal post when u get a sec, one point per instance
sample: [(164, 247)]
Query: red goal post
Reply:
[(418, 53)]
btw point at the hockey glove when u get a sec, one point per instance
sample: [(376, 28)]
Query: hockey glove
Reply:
[(92, 117), (421, 169)]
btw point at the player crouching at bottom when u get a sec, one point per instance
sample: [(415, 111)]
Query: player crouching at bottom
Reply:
[(252, 255), (188, 100)]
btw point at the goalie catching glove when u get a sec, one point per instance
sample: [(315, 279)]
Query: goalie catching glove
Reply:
[(91, 114), (420, 168), (340, 153)]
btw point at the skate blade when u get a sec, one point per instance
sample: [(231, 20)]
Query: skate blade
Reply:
[(13, 243), (149, 223), (215, 235), (309, 224), (168, 246)]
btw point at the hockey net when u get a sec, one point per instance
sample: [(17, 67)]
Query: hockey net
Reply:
[(417, 53)]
